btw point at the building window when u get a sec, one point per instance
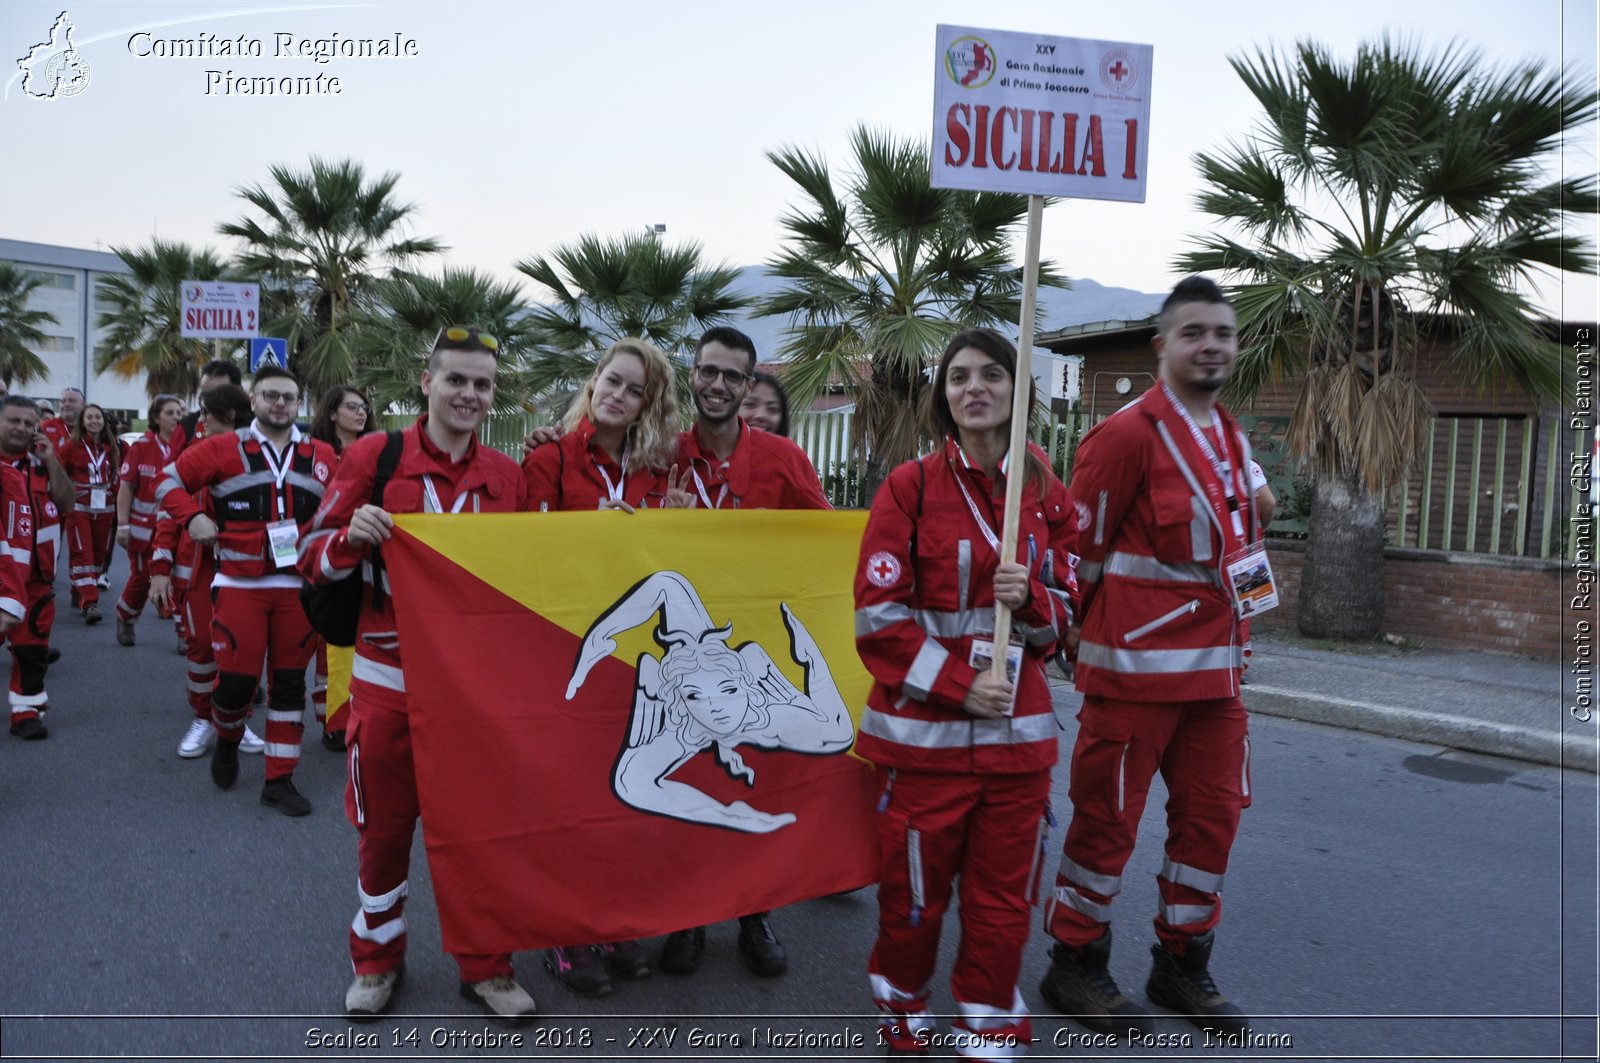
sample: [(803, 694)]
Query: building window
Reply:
[(59, 344), (52, 279), (103, 299)]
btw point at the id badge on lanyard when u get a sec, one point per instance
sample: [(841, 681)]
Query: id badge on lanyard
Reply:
[(97, 479), (283, 536), (981, 657), (1250, 581)]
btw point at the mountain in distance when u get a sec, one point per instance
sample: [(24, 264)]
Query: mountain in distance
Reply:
[(1085, 302)]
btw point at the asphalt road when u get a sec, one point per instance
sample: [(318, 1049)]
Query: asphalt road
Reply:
[(1386, 899)]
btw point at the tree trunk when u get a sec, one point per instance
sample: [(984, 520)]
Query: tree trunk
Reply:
[(1341, 585)]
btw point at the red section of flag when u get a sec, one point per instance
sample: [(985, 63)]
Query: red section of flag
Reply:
[(527, 842)]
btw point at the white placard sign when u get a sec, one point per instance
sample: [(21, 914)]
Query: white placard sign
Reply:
[(1043, 116), (220, 310)]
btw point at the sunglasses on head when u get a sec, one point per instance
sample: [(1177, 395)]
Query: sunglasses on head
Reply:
[(466, 336)]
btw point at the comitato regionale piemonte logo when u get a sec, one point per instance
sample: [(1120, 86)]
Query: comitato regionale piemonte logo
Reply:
[(54, 68)]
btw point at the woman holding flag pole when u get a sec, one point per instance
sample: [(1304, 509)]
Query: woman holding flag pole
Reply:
[(620, 436), (963, 755)]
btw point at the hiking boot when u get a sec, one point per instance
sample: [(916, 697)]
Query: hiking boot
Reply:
[(124, 632), (91, 613), (197, 739), (281, 795), (1183, 984), (371, 995), (1080, 986), (501, 997), (579, 969), (682, 951), (626, 959), (251, 743), (30, 729), (333, 741), (225, 763), (762, 951)]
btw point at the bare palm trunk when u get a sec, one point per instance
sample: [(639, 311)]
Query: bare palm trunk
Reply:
[(1341, 587)]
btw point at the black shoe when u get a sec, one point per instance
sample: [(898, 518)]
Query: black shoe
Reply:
[(1080, 986), (626, 959), (1183, 984), (578, 968), (281, 794), (683, 950), (763, 952), (333, 741), (225, 762), (30, 730), (52, 657)]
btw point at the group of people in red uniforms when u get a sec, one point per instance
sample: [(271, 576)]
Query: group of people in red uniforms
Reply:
[(1126, 576)]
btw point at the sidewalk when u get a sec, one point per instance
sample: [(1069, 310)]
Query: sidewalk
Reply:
[(1498, 704)]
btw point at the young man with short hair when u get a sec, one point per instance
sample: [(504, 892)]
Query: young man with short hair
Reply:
[(266, 481), (46, 494), (1164, 502), (440, 467)]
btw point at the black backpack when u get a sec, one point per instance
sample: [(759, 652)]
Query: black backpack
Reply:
[(334, 608)]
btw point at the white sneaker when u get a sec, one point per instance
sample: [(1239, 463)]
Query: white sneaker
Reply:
[(197, 739), (251, 742)]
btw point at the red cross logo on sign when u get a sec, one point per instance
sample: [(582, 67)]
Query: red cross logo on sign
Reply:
[(883, 569)]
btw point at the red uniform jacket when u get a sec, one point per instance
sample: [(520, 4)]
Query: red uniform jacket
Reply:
[(90, 465), (1154, 529), (249, 492), (483, 481), (571, 474), (141, 470), (45, 517), (59, 433), (765, 471), (16, 545), (925, 590)]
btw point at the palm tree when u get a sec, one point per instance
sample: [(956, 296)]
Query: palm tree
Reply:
[(1376, 192), (393, 337), (19, 326), (603, 290), (146, 317), (879, 273), (323, 238)]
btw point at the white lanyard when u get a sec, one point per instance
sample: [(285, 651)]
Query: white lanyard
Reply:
[(97, 466), (614, 490), (166, 451), (280, 469), (699, 485), (1223, 468), (983, 525), (431, 498)]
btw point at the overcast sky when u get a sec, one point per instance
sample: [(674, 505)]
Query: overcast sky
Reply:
[(517, 126)]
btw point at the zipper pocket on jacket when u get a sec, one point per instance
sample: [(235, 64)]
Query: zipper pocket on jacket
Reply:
[(1145, 629)]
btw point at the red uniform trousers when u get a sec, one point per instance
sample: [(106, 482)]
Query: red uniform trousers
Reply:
[(194, 614), (381, 802), (1202, 749), (250, 625), (136, 591), (30, 648), (89, 540), (990, 831)]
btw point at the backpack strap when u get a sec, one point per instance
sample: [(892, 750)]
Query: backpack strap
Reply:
[(388, 461)]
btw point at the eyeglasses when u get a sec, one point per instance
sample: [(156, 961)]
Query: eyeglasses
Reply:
[(707, 374), (355, 407), (455, 335), (272, 398)]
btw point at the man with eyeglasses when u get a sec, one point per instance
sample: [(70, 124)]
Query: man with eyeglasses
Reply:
[(437, 466), (266, 481), (733, 466)]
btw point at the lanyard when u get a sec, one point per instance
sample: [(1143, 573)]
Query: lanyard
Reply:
[(431, 498), (1223, 467), (699, 485), (166, 451), (279, 464), (97, 466), (614, 490), (983, 524)]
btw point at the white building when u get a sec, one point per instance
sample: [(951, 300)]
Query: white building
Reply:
[(71, 294)]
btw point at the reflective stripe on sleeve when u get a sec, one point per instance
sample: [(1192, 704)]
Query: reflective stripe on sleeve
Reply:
[(924, 671)]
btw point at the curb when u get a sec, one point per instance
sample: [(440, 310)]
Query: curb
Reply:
[(1550, 747)]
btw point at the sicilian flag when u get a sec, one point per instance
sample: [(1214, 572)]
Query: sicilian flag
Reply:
[(340, 661), (628, 725)]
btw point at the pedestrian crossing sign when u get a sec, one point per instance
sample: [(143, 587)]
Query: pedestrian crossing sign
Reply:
[(268, 350)]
